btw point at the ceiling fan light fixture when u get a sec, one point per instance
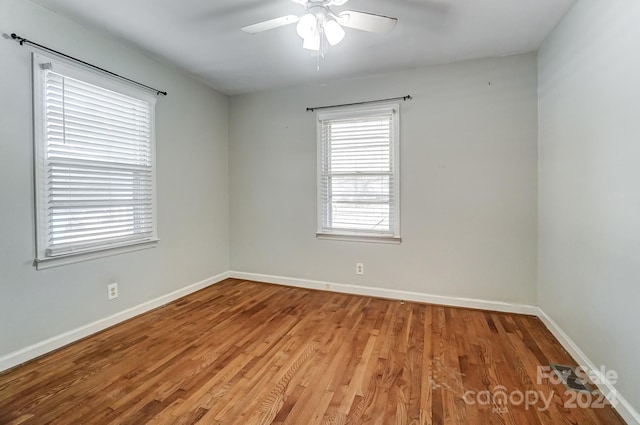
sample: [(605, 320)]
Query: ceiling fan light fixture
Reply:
[(333, 31), (307, 26), (321, 27), (312, 43)]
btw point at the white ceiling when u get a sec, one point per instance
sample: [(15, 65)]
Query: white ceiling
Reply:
[(203, 37)]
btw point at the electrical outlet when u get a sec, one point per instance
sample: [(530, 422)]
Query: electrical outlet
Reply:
[(359, 268), (112, 291)]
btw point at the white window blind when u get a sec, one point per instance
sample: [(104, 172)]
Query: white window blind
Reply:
[(95, 163), (358, 173)]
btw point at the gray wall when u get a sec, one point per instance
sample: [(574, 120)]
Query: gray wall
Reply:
[(192, 189), (469, 185), (468, 170), (589, 180)]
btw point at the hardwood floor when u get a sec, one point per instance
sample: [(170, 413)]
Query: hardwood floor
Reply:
[(251, 353)]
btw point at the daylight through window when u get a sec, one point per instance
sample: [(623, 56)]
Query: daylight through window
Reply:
[(94, 161), (358, 173)]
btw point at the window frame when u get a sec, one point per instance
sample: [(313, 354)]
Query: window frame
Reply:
[(86, 75), (394, 236)]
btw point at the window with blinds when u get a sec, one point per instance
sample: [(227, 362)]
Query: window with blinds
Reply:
[(94, 162), (358, 175)]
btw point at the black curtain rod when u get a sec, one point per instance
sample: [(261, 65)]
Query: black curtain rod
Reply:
[(403, 98), (23, 40)]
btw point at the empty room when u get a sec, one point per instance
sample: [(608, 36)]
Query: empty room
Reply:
[(319, 212)]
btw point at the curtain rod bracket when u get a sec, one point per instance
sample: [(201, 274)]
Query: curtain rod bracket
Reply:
[(23, 40), (18, 39)]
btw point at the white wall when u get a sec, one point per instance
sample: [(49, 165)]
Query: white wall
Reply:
[(468, 169), (589, 182), (192, 189)]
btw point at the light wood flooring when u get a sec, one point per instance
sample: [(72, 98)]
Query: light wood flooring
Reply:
[(250, 353)]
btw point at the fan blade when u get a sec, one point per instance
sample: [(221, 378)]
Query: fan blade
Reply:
[(366, 21), (270, 24)]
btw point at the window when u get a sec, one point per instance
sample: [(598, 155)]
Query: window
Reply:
[(358, 174), (94, 164)]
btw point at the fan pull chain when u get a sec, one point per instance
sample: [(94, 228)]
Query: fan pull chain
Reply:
[(322, 48)]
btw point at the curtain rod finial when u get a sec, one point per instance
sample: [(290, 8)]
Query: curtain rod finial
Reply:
[(19, 39)]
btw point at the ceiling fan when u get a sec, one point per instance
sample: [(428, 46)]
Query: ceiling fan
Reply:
[(319, 23)]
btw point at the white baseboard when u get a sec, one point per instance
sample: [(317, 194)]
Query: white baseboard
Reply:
[(31, 352), (622, 406), (390, 293)]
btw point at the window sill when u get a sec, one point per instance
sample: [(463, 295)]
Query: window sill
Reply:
[(359, 238), (50, 262)]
